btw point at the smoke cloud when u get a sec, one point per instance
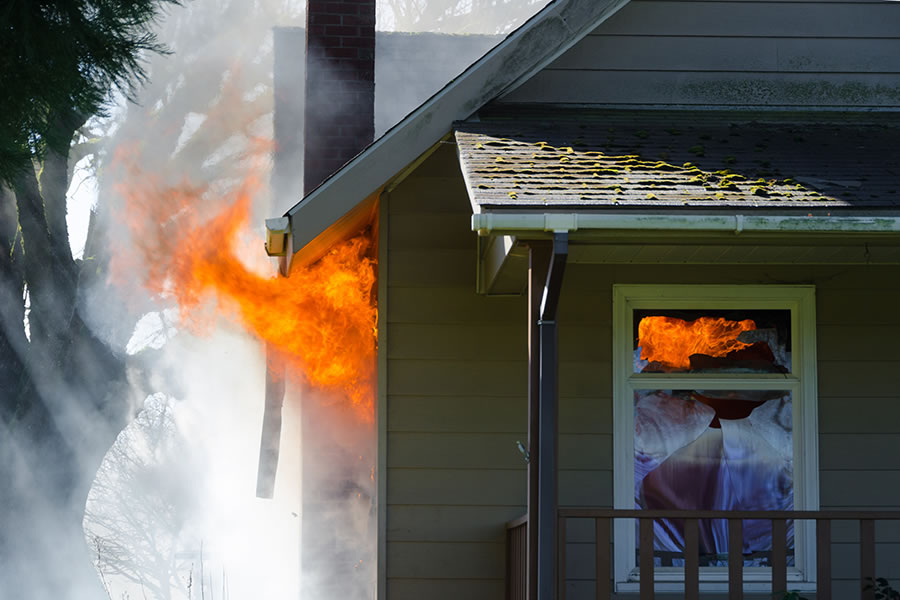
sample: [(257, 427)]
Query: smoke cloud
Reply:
[(171, 513)]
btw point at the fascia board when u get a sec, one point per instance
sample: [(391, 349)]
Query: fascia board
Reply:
[(526, 50)]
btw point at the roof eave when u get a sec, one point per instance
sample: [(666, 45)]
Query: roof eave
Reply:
[(542, 223)]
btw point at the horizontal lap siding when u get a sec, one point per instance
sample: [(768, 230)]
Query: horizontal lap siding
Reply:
[(457, 394), (731, 53), (456, 398)]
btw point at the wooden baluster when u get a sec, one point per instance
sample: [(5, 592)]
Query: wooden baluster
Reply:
[(867, 558), (522, 575), (823, 559), (561, 562), (602, 526), (510, 561), (646, 563), (691, 560), (779, 556), (735, 559)]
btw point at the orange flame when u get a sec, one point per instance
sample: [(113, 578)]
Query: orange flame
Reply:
[(321, 320), (672, 341)]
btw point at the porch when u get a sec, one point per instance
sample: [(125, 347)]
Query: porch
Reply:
[(519, 569)]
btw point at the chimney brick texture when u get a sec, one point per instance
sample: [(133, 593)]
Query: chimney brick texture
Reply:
[(340, 85)]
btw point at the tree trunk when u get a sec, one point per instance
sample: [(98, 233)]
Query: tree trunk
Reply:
[(63, 395)]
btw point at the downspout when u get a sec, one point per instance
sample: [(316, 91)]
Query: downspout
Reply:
[(539, 253), (548, 418)]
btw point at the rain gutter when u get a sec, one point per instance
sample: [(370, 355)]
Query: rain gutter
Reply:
[(494, 223)]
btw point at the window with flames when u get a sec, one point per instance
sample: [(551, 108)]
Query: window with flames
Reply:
[(710, 384)]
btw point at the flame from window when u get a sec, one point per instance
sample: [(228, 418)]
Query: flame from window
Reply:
[(672, 341), (322, 319)]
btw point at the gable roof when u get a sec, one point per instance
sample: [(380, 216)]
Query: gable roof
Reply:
[(557, 159), (525, 51)]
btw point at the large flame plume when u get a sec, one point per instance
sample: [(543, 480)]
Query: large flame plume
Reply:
[(321, 320), (672, 341)]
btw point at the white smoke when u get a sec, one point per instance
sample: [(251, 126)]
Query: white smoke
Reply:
[(173, 512)]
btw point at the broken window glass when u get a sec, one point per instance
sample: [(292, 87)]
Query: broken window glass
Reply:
[(714, 450)]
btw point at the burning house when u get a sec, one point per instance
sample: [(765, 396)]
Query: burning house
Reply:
[(637, 278)]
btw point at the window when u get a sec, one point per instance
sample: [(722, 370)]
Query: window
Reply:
[(714, 408)]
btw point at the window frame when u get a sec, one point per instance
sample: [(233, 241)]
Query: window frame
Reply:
[(801, 382)]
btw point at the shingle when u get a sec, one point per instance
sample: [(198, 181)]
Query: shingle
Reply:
[(716, 159)]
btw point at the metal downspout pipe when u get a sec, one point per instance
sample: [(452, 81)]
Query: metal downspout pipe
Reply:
[(548, 418)]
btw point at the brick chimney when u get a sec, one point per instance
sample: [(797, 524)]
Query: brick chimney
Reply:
[(340, 85)]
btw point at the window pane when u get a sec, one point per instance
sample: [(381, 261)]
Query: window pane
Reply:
[(713, 450), (704, 341)]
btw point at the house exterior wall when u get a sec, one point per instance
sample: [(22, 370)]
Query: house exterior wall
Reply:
[(747, 53), (457, 396), (456, 385)]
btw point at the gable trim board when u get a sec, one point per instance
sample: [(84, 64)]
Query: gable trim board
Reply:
[(531, 47)]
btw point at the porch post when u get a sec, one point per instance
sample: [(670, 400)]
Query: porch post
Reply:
[(548, 418), (539, 253)]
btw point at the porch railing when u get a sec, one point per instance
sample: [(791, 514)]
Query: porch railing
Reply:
[(517, 560)]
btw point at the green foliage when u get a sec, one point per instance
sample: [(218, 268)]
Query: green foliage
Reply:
[(883, 589), (60, 62), (790, 596)]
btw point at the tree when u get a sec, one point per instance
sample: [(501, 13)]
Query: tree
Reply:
[(64, 393), (67, 384), (61, 60), (136, 510)]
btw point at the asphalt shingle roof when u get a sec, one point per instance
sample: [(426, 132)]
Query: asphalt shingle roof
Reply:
[(556, 158)]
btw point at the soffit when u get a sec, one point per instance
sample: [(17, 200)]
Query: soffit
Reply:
[(549, 158)]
